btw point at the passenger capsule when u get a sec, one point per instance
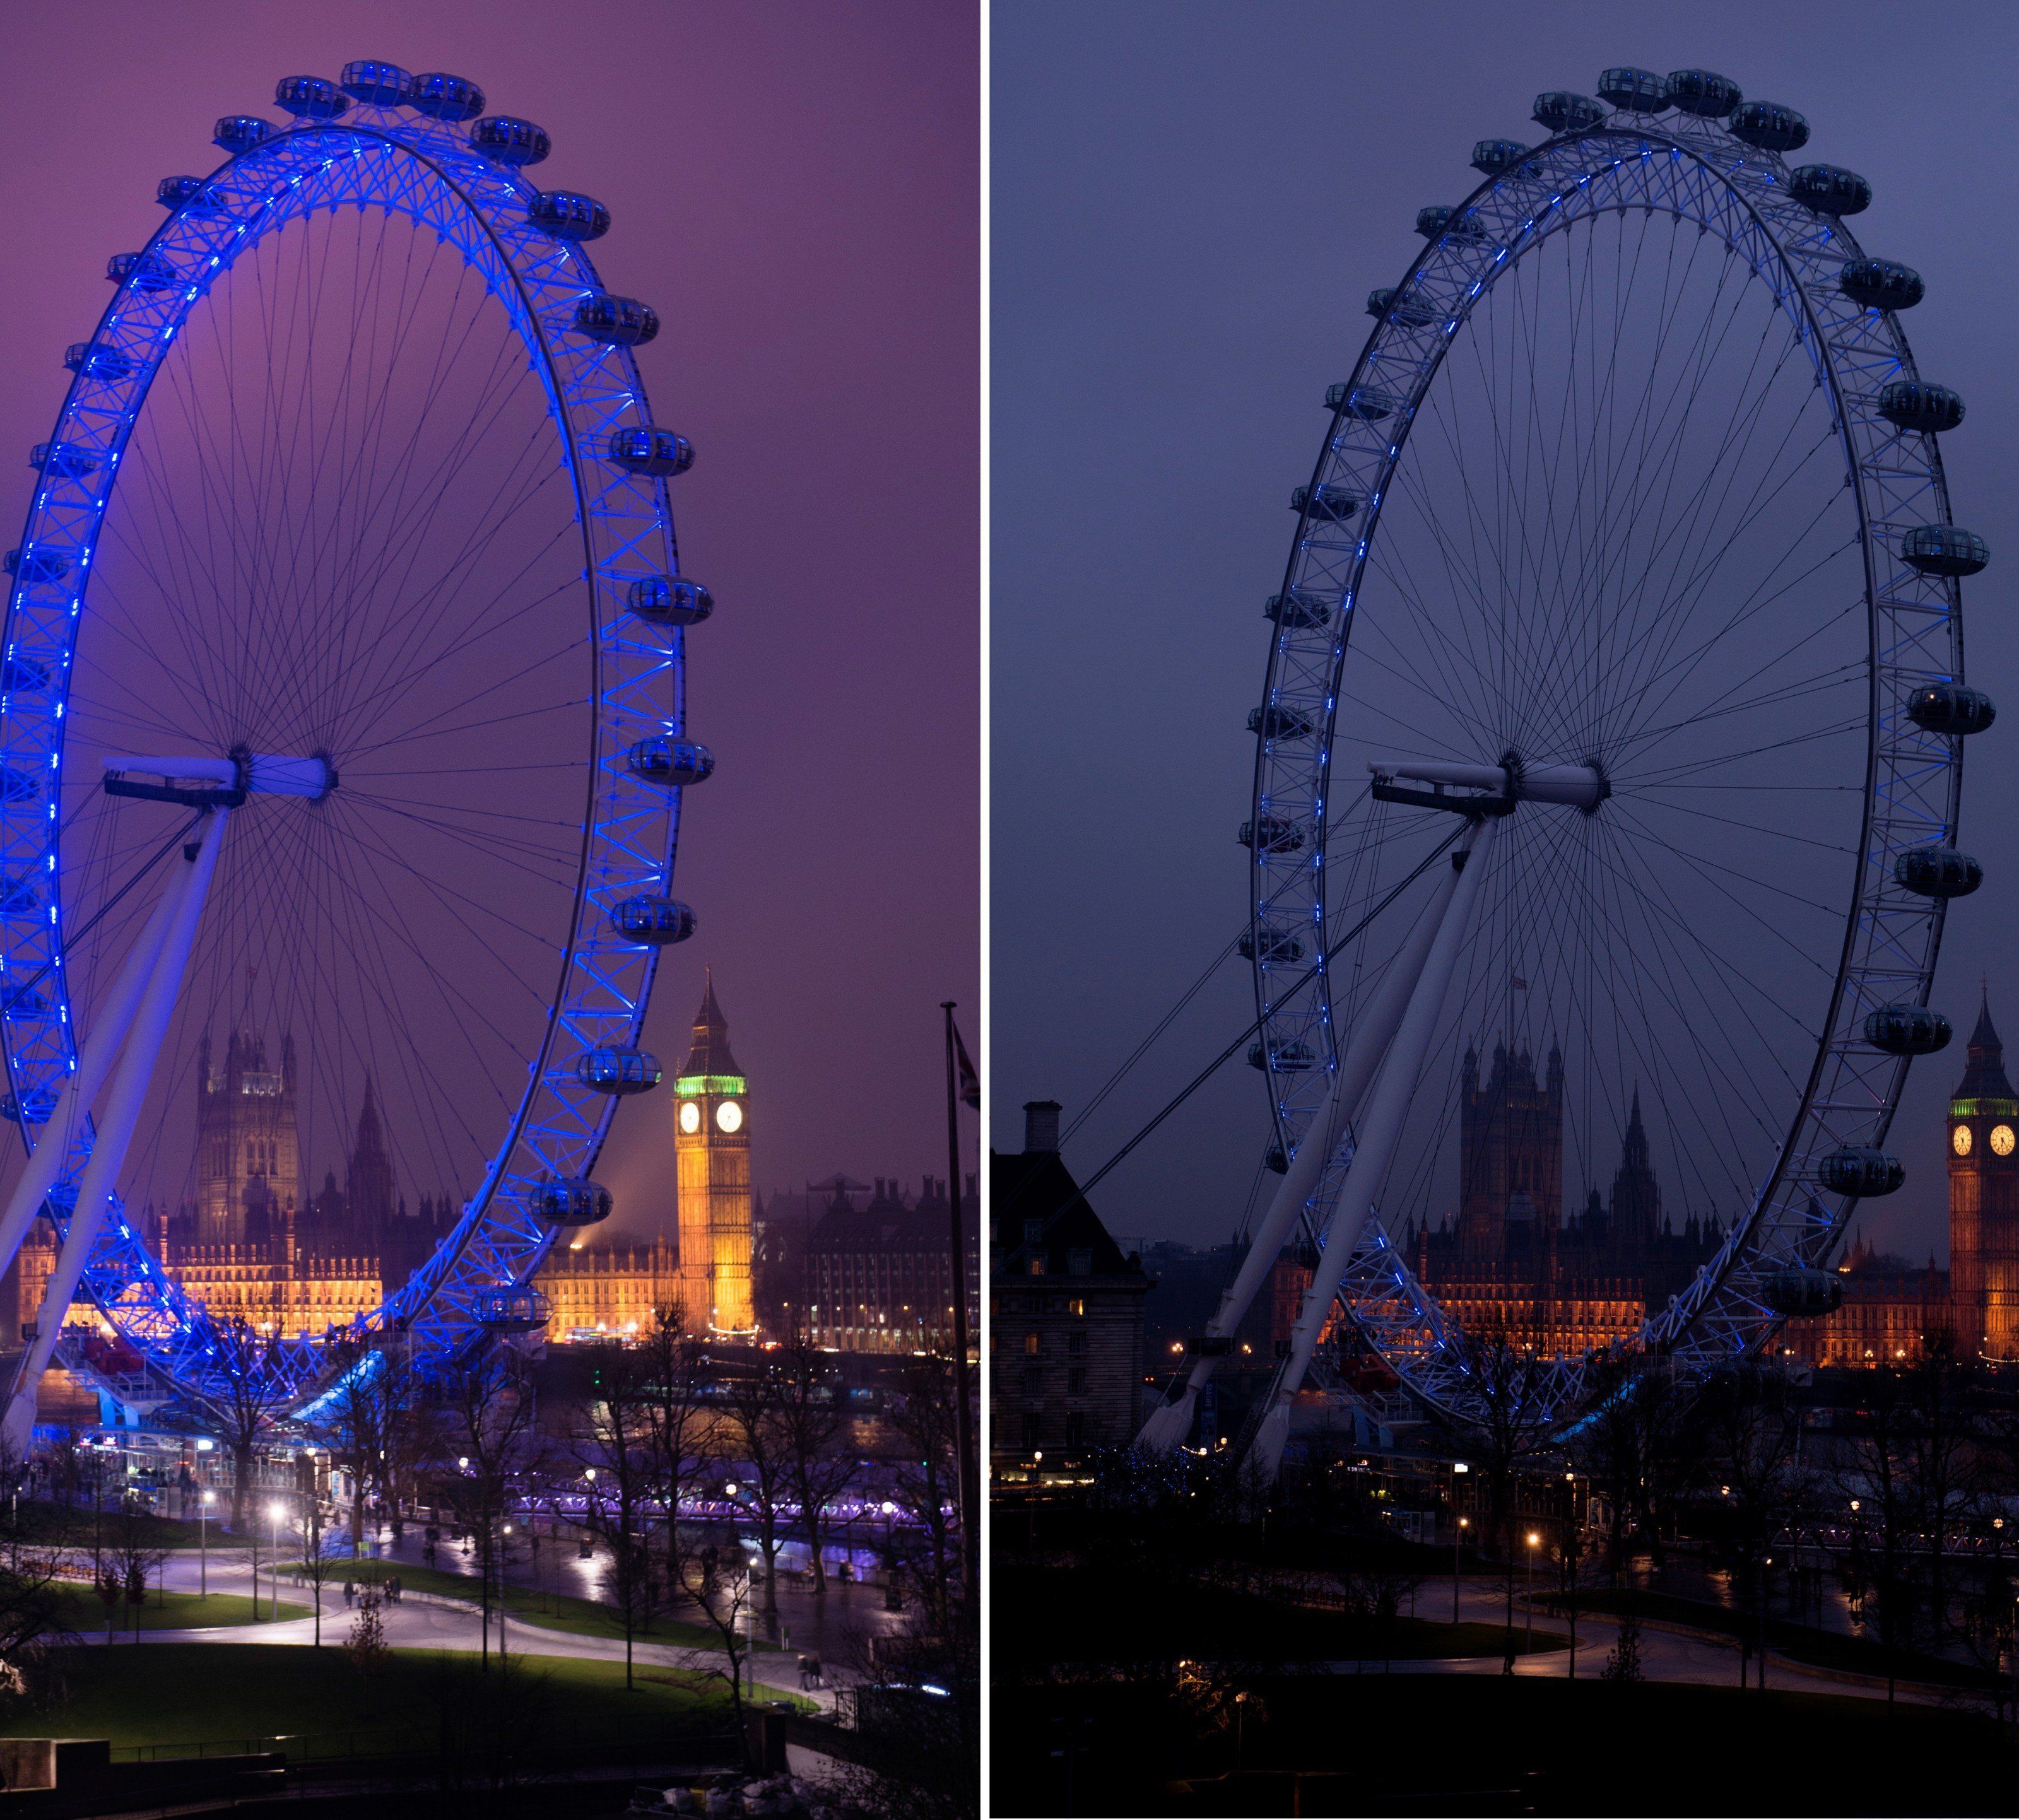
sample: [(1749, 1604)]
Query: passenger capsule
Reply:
[(26, 1006), (1634, 91), (1388, 304), (670, 600), (520, 1310), (19, 786), (1802, 1294), (1704, 93), (1292, 1057), (65, 460), (311, 98), (507, 141), (1829, 189), (1361, 401), (622, 1071), (1769, 126), (1271, 945), (32, 1108), (570, 1201), (24, 675), (1907, 1029), (36, 565), (1881, 285), (616, 321), (1298, 610), (1493, 156), (1438, 222), (451, 98), (651, 922), (96, 362), (142, 271), (1276, 723), (196, 194), (1561, 112), (645, 449), (1913, 404), (1944, 550), (239, 133), (675, 763), (1937, 871), (567, 215), (383, 85), (1273, 1160), (1949, 707), (1854, 1170), (20, 896), (1271, 835), (1328, 505)]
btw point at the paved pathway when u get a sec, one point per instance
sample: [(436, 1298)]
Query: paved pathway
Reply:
[(428, 1621)]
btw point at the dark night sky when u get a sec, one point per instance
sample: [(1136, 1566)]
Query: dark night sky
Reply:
[(793, 186), (1187, 221)]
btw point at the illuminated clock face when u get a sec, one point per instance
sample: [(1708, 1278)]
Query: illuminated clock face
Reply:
[(690, 1117), (1961, 1140), (2002, 1140), (729, 1117)]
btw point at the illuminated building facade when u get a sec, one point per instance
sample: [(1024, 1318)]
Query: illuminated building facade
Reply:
[(712, 1160), (608, 1291)]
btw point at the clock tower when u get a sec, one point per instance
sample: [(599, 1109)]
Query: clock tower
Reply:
[(1984, 1199), (712, 1152)]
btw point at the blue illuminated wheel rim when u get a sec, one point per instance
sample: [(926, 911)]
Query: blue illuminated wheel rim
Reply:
[(400, 156), (1338, 691)]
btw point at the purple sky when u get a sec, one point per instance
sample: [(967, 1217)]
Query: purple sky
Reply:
[(793, 189), (1187, 221)]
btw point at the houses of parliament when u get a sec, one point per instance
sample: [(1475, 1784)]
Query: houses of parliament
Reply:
[(1511, 1261), (257, 1242)]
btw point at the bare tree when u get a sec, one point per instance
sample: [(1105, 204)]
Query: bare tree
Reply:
[(722, 1601), (815, 1426), (320, 1561), (678, 1422), (245, 1391), (759, 1431), (613, 1446), (492, 1419), (1877, 1487), (925, 1483), (1946, 1453), (1751, 1422)]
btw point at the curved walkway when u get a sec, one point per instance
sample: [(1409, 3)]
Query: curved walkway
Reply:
[(431, 1621)]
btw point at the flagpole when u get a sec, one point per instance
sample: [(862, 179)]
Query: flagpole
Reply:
[(970, 1499)]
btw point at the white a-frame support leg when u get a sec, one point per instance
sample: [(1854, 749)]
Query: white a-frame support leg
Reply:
[(80, 1087), (1372, 1032), (179, 914), (1380, 1131)]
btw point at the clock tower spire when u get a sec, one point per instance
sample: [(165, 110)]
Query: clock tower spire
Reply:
[(712, 1156), (1984, 1198)]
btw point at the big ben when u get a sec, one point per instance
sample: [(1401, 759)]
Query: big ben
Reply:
[(1984, 1199), (712, 1149)]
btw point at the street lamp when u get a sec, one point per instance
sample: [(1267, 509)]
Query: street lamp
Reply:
[(203, 1539), (1458, 1526), (274, 1512), (1534, 1543)]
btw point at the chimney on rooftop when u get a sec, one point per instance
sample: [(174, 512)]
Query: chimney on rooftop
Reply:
[(1040, 1127)]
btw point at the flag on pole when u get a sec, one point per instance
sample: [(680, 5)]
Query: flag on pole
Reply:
[(970, 1081), (1520, 984)]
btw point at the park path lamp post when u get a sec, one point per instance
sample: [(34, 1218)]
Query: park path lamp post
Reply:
[(1458, 1532), (1535, 1541), (274, 1568), (504, 1545), (204, 1500)]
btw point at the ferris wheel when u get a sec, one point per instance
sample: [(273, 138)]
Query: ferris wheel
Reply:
[(1612, 728), (342, 717)]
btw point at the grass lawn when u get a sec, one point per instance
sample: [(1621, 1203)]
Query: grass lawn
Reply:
[(84, 1612), (42, 1523), (180, 1694), (550, 1611)]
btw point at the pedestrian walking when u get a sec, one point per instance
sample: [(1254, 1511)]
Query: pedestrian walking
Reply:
[(805, 1675), (349, 1594), (819, 1675)]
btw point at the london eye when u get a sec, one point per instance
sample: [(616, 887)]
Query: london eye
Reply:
[(342, 718), (1612, 730)]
